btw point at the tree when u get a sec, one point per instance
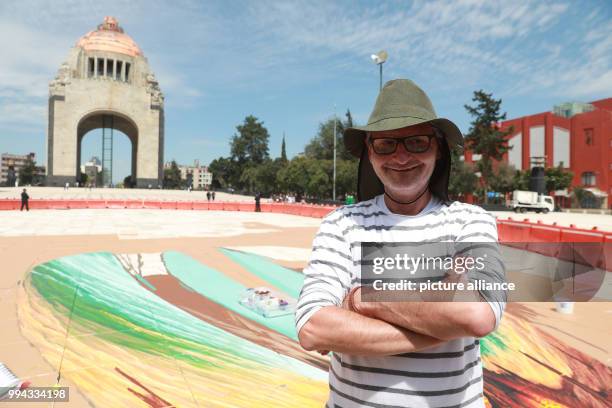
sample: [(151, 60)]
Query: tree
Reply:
[(129, 182), (283, 156), (349, 119), (172, 177), (224, 172), (248, 178), (294, 177), (267, 175), (520, 180), (319, 184), (557, 178), (462, 179), (321, 146), (27, 174), (484, 137), (250, 144), (250, 169), (346, 177), (502, 179)]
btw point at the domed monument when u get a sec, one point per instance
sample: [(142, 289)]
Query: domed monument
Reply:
[(106, 83)]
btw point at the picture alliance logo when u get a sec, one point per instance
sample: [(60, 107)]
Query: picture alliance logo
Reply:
[(411, 264)]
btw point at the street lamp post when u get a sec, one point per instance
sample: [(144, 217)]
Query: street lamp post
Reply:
[(379, 59), (334, 177)]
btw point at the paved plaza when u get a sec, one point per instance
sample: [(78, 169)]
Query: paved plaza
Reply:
[(59, 193), (146, 224), (205, 254)]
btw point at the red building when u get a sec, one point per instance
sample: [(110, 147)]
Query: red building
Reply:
[(577, 135)]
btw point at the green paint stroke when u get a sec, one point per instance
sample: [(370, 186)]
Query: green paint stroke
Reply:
[(492, 344), (217, 287), (286, 280), (112, 304)]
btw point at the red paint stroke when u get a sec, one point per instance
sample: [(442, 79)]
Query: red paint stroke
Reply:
[(151, 399), (588, 386)]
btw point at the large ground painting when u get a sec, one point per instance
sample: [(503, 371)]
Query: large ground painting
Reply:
[(164, 329)]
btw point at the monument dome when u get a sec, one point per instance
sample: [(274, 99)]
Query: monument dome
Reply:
[(109, 36)]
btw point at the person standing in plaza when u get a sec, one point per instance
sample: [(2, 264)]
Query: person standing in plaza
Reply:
[(258, 202), (25, 200)]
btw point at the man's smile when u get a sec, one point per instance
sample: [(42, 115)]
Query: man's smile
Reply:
[(404, 169)]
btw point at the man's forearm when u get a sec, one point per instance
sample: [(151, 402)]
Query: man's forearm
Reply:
[(442, 320), (336, 329)]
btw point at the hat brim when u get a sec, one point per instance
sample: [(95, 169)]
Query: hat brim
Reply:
[(354, 138)]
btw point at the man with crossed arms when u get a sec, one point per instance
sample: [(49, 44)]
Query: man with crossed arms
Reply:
[(398, 354)]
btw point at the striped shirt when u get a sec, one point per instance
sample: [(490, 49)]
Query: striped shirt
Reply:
[(448, 375)]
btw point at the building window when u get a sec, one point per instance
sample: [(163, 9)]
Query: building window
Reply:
[(91, 65), (588, 178), (100, 67), (589, 137), (110, 65), (118, 72), (127, 72)]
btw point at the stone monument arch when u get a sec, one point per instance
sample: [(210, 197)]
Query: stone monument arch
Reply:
[(105, 83), (109, 120)]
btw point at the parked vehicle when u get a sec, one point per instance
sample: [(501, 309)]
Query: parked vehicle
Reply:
[(523, 201)]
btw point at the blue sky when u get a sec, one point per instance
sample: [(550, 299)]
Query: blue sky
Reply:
[(289, 63)]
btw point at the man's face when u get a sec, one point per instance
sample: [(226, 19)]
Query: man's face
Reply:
[(405, 173)]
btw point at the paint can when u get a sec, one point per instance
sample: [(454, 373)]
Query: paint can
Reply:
[(565, 307)]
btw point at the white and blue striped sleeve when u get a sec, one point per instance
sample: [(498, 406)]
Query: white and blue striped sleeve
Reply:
[(481, 227), (328, 273)]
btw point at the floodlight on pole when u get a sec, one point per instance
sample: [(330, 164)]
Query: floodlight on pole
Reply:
[(334, 175), (379, 59)]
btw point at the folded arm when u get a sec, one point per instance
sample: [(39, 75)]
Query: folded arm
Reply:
[(442, 320), (340, 330), (449, 315)]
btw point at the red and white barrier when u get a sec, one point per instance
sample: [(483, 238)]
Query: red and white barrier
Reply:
[(509, 230)]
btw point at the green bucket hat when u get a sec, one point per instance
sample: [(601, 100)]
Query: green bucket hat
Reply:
[(401, 103)]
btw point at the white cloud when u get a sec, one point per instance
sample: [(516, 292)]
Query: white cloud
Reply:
[(202, 49), (460, 40), (22, 112)]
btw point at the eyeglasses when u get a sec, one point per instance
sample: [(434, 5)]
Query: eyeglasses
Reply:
[(413, 144)]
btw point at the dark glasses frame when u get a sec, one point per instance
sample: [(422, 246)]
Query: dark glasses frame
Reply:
[(403, 140)]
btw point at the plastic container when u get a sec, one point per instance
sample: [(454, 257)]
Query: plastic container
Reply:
[(267, 302), (565, 307)]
